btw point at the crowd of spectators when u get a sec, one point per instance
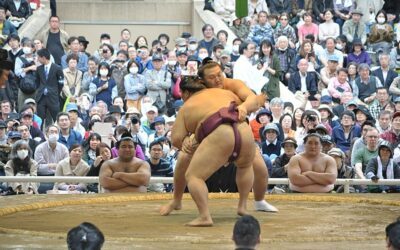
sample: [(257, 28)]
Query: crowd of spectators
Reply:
[(338, 62)]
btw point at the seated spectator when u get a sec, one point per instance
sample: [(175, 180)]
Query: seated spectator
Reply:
[(358, 54), (246, 232), (240, 28), (344, 171), (126, 173), (312, 171), (80, 58), (328, 28), (343, 135), (346, 103), (382, 167), (121, 131), (103, 153), (308, 27), (354, 28), (287, 124), (208, 41), (287, 59), (361, 142), (326, 140), (330, 53), (73, 112), (21, 163), (48, 154), (85, 236), (72, 166), (366, 85), (327, 117), (263, 117), (395, 56), (26, 136), (159, 167), (89, 148), (364, 155), (384, 73), (393, 235), (68, 136), (8, 28), (27, 119), (18, 11), (103, 88), (309, 121), (381, 100), (307, 52), (158, 125), (362, 114), (279, 169), (262, 30), (285, 29), (328, 72), (302, 81), (381, 35), (319, 8), (383, 121), (271, 147)]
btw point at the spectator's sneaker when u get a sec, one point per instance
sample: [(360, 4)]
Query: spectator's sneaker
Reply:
[(264, 206), (277, 190)]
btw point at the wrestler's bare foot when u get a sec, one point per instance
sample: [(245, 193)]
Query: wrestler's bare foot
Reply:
[(200, 222), (171, 206), (242, 211)]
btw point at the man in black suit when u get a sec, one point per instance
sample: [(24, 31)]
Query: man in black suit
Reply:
[(50, 83), (303, 81), (384, 74)]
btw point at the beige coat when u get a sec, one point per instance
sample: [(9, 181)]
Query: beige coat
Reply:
[(64, 168)]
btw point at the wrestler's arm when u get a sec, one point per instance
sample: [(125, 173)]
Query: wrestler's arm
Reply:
[(108, 182), (251, 101), (139, 178), (179, 132), (327, 178), (294, 173)]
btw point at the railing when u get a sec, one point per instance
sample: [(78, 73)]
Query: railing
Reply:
[(346, 182)]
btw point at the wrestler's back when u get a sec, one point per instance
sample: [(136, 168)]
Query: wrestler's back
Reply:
[(211, 100)]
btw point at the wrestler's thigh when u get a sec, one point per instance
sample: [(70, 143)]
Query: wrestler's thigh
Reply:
[(212, 153), (247, 149)]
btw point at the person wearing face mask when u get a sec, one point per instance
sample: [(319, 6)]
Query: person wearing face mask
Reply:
[(22, 164), (103, 88), (381, 35), (192, 47), (134, 84), (235, 49), (25, 67), (48, 154), (159, 166)]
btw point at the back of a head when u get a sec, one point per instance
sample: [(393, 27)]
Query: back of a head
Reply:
[(246, 232), (393, 235), (86, 236)]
